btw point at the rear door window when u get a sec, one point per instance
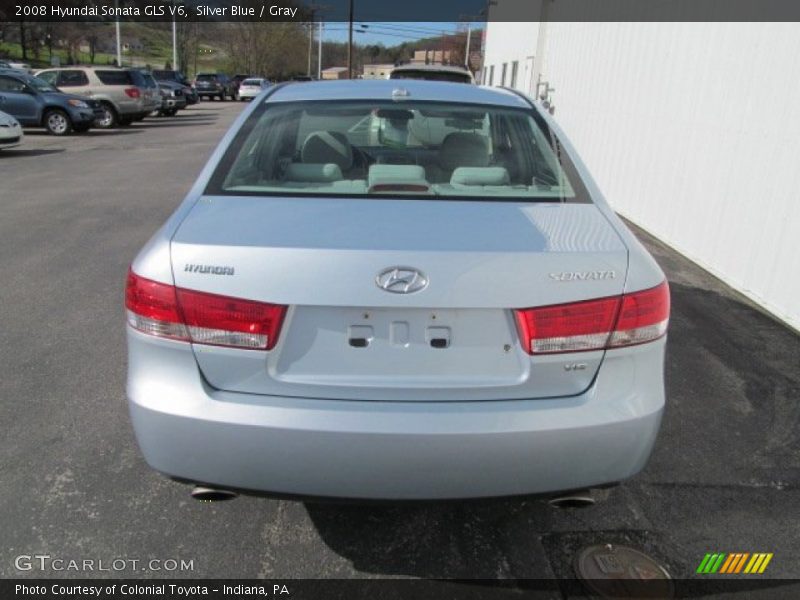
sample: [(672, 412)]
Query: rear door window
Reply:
[(9, 84), (115, 77), (72, 78)]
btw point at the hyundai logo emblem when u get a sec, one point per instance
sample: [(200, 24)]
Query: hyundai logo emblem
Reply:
[(401, 280)]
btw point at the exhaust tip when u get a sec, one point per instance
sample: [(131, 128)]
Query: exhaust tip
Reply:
[(581, 499), (208, 494)]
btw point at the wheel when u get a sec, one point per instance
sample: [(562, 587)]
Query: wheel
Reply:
[(171, 112), (109, 118), (222, 96), (57, 122)]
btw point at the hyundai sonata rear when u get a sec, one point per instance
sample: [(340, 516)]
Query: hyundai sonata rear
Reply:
[(399, 290)]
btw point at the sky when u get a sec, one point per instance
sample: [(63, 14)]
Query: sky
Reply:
[(387, 33)]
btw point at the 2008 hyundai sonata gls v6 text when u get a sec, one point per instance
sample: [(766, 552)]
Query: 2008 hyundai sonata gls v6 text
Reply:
[(382, 289)]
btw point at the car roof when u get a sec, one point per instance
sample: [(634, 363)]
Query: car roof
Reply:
[(423, 67), (381, 89), (88, 68)]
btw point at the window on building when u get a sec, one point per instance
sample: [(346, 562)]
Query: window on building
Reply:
[(514, 69), (503, 75), (491, 75)]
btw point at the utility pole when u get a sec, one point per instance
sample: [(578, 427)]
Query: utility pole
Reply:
[(350, 44), (319, 51), (466, 53)]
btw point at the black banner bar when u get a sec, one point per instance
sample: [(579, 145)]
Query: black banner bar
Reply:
[(392, 10), (385, 589)]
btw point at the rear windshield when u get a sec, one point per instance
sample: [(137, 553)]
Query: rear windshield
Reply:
[(204, 77), (252, 82), (115, 77), (143, 79), (431, 75), (397, 149)]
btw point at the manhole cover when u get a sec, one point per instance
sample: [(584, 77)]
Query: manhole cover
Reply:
[(613, 571)]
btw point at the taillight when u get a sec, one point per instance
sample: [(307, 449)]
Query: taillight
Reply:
[(596, 324), (166, 311), (133, 92), (153, 308)]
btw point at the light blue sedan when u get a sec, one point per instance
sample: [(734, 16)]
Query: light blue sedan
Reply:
[(397, 290)]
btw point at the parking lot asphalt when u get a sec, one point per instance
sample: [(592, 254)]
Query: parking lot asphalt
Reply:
[(74, 211)]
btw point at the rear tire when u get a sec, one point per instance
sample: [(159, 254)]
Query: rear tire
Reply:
[(57, 122), (109, 119)]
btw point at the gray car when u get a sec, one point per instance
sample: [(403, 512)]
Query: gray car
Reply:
[(395, 290)]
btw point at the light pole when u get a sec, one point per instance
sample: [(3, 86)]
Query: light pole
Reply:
[(174, 42), (119, 43)]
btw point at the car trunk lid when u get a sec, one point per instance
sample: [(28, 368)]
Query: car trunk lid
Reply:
[(345, 337)]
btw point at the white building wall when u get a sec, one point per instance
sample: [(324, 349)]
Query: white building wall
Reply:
[(692, 130)]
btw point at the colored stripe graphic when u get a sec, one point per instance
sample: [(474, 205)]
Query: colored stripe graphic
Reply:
[(740, 564), (765, 563), (734, 563), (727, 564), (704, 563)]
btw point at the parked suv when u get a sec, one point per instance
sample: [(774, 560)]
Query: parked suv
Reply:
[(170, 75), (123, 93), (35, 103), (214, 85)]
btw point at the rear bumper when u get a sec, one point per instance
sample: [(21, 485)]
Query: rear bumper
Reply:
[(393, 450)]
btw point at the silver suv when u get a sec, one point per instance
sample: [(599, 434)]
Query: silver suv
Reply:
[(123, 93)]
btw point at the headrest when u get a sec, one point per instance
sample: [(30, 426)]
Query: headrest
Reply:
[(396, 175), (313, 173), (323, 147), (462, 149), (480, 176)]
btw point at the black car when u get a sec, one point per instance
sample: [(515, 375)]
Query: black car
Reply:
[(173, 98), (214, 85), (178, 77)]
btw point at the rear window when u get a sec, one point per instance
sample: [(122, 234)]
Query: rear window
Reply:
[(115, 77), (143, 79), (397, 149), (450, 76), (205, 77), (252, 82)]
